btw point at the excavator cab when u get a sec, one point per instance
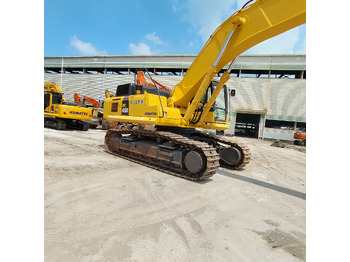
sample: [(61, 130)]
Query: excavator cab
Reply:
[(52, 98), (47, 100), (56, 98), (220, 106)]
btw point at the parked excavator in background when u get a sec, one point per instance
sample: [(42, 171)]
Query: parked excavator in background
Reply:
[(300, 138), (85, 99), (97, 110), (141, 80), (59, 114), (159, 129), (108, 94)]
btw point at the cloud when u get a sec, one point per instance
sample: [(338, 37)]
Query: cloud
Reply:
[(155, 39), (144, 49), (140, 49), (300, 46), (85, 48), (204, 19), (285, 43)]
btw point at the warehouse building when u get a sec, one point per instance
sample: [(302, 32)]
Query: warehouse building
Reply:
[(267, 93)]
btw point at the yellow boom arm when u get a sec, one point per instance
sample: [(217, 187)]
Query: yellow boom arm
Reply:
[(245, 28)]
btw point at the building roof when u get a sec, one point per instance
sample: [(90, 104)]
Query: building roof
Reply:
[(168, 62)]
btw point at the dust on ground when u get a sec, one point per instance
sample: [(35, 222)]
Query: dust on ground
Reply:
[(99, 207)]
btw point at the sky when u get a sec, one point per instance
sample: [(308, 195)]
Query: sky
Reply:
[(152, 27)]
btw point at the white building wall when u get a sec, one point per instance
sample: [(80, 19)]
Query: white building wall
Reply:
[(251, 93), (281, 99), (287, 100), (94, 85)]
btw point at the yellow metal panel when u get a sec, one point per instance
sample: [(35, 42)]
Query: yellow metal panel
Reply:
[(70, 112)]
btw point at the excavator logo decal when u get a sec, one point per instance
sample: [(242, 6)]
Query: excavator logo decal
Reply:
[(77, 113), (150, 113), (137, 102), (125, 106)]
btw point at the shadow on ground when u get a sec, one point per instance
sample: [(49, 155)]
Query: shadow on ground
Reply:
[(284, 190)]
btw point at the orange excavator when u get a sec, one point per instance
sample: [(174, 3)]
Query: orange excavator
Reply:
[(85, 99), (97, 110), (300, 138), (141, 80)]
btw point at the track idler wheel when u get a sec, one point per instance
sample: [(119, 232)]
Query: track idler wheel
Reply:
[(231, 156), (194, 162)]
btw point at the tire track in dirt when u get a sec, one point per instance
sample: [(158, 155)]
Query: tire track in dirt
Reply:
[(106, 228)]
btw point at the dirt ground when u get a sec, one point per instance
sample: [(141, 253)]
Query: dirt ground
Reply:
[(99, 207)]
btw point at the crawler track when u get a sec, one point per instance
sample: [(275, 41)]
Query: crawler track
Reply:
[(211, 159), (55, 123), (63, 124), (227, 142)]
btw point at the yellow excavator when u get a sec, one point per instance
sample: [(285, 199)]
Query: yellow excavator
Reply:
[(159, 129), (59, 114)]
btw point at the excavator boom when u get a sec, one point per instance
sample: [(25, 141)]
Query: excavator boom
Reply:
[(85, 99), (249, 26), (141, 80)]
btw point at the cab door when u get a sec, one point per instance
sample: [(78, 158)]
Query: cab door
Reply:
[(47, 101)]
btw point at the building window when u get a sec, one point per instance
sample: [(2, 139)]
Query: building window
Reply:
[(279, 124), (301, 126)]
